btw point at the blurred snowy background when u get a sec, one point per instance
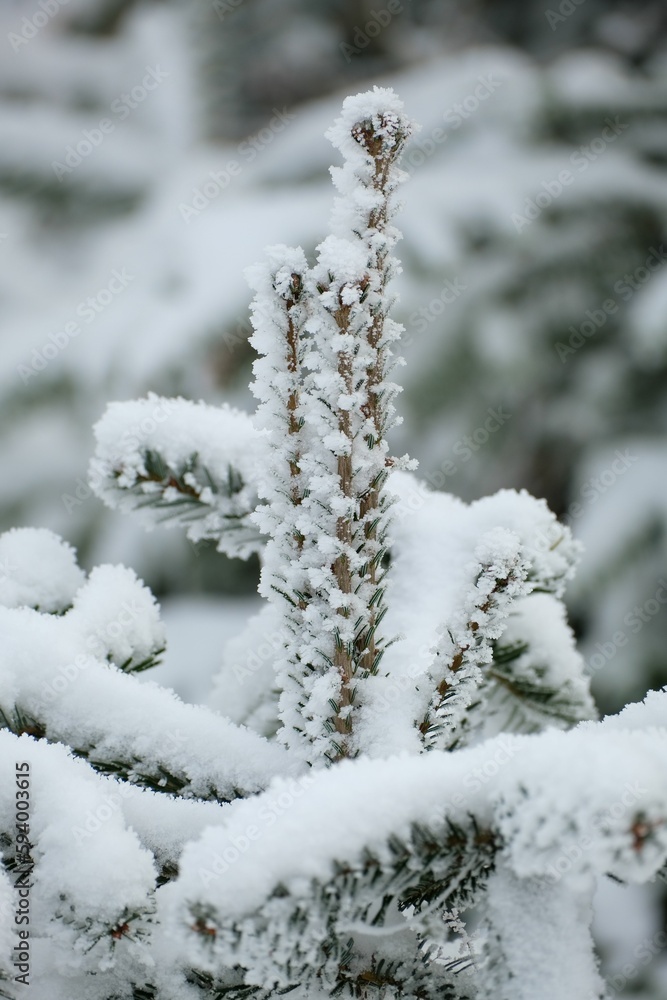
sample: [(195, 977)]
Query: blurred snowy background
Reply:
[(148, 153)]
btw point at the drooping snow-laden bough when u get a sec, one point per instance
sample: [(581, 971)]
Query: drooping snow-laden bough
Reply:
[(397, 788)]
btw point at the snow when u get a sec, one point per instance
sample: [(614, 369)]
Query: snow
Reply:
[(244, 687), (533, 929), (585, 819), (83, 881), (651, 713), (97, 846), (302, 825), (164, 823), (37, 570), (117, 616)]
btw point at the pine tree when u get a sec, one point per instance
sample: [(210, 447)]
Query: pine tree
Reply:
[(406, 810)]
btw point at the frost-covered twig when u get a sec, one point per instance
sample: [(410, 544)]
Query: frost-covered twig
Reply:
[(466, 646), (336, 384)]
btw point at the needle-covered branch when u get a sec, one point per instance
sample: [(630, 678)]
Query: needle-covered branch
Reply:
[(306, 897), (325, 392), (52, 687), (93, 897), (183, 464)]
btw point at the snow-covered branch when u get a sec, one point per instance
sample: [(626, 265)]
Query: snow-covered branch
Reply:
[(328, 509), (466, 642), (182, 463), (282, 895), (91, 896), (53, 687)]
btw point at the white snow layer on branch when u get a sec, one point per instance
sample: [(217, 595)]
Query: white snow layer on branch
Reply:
[(182, 463), (81, 888), (164, 823), (37, 570), (48, 674), (651, 713), (112, 611), (91, 836), (97, 845), (602, 808)]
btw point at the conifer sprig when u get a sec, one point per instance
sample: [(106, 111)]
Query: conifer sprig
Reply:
[(327, 368)]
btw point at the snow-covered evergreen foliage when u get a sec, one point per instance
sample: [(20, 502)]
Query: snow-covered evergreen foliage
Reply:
[(519, 335), (174, 854)]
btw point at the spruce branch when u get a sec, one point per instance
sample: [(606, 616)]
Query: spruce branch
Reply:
[(190, 496), (424, 874), (358, 305), (325, 340), (135, 731), (182, 464), (92, 927), (501, 578), (173, 769), (373, 880)]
